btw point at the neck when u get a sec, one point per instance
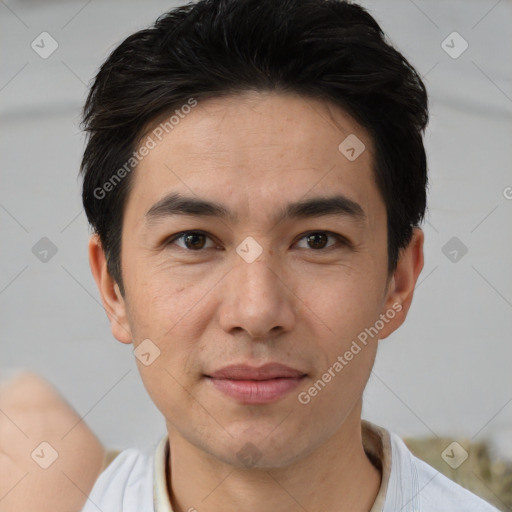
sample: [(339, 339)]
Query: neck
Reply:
[(336, 476)]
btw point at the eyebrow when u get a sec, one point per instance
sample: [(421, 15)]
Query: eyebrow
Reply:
[(177, 204)]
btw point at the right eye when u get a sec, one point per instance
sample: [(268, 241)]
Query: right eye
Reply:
[(191, 240)]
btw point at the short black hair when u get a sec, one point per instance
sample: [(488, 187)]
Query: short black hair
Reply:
[(326, 49)]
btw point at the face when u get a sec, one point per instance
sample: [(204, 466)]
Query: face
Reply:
[(288, 266)]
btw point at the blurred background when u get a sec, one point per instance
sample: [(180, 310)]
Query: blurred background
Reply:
[(446, 372)]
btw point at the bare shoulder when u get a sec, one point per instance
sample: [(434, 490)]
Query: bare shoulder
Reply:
[(49, 458)]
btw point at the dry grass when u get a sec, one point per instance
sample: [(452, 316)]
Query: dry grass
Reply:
[(491, 480)]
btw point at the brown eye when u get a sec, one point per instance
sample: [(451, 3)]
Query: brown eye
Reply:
[(317, 240), (194, 240), (191, 240), (322, 241)]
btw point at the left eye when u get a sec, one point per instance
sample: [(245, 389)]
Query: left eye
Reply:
[(319, 240)]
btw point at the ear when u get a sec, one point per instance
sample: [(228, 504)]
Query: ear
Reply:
[(401, 286), (113, 301)]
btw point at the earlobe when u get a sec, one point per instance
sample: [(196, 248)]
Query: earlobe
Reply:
[(403, 282), (113, 301)]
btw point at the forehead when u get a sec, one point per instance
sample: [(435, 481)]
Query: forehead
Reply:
[(253, 150)]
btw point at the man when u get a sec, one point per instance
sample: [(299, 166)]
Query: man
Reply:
[(255, 177)]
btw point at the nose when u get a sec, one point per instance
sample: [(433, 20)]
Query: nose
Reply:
[(257, 299)]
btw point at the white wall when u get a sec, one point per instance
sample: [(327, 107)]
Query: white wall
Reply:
[(447, 370)]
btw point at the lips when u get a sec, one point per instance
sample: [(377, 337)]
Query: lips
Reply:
[(256, 385), (265, 372)]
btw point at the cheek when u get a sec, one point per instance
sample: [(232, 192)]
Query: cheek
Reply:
[(171, 322), (345, 300), (335, 390), (161, 302), (345, 337), (173, 316)]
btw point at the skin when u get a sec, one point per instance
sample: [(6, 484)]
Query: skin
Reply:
[(32, 412), (297, 305)]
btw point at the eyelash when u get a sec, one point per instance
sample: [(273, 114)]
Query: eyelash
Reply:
[(341, 240)]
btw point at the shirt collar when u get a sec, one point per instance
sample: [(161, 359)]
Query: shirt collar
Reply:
[(161, 500), (376, 443)]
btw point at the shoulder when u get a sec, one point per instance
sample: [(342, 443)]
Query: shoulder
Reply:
[(126, 484), (424, 489)]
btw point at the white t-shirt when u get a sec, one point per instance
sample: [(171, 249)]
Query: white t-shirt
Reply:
[(135, 481)]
